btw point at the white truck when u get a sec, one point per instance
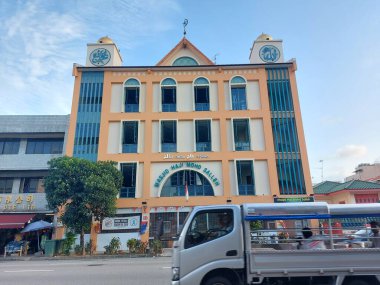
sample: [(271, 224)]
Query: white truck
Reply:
[(209, 252)]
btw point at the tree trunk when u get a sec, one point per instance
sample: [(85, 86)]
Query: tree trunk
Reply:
[(82, 242)]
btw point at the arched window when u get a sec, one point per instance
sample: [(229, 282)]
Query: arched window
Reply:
[(238, 93), (185, 61), (201, 94), (196, 183), (169, 95), (131, 95)]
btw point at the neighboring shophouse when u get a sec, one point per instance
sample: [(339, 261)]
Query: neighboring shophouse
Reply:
[(350, 192), (366, 172), (188, 132), (27, 143)]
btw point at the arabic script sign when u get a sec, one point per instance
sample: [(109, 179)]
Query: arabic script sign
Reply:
[(100, 57)]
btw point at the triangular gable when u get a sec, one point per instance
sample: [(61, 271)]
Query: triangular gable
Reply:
[(184, 49)]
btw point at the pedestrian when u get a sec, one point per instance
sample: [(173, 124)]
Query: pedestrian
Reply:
[(375, 239), (309, 242)]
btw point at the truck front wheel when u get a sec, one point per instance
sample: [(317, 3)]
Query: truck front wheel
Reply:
[(218, 280)]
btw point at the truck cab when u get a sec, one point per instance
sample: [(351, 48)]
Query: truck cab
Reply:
[(223, 245)]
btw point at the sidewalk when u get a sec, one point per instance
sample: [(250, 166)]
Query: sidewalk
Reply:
[(167, 252)]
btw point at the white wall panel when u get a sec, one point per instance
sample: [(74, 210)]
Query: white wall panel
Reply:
[(214, 97), (215, 135), (142, 97), (116, 98), (253, 95), (227, 99), (233, 182), (229, 133), (104, 239), (257, 134), (156, 97), (140, 180), (185, 99), (155, 136), (185, 136), (114, 138), (141, 137), (262, 185)]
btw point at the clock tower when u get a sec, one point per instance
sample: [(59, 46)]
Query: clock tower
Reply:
[(103, 53), (266, 50)]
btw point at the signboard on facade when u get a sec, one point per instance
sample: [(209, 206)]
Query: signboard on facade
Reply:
[(188, 165), (293, 199), (185, 156), (28, 202), (121, 223)]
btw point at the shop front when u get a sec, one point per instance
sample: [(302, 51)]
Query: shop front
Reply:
[(16, 212)]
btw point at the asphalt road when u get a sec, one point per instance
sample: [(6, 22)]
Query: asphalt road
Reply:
[(130, 271)]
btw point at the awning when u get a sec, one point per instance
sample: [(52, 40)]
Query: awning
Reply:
[(15, 221)]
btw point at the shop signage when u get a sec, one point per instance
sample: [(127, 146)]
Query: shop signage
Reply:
[(207, 172), (293, 199), (23, 202), (183, 156), (121, 223)]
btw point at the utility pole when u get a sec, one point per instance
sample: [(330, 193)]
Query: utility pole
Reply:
[(321, 161)]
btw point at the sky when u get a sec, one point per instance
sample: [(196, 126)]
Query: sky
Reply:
[(336, 45)]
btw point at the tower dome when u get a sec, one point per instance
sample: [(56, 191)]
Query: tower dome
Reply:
[(105, 40), (264, 37)]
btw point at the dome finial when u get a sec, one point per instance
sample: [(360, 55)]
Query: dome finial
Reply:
[(105, 40), (264, 37)]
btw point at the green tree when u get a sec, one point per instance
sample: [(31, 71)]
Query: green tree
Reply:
[(83, 190)]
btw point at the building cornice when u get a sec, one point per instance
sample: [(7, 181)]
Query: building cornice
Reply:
[(291, 64)]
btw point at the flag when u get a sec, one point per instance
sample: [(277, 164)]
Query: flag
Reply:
[(186, 192)]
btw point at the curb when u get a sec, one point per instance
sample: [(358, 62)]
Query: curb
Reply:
[(78, 257)]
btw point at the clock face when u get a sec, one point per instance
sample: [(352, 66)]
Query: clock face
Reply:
[(269, 53), (100, 57)]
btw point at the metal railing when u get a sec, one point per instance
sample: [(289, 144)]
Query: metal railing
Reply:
[(203, 146), (127, 192), (131, 108), (202, 106), (169, 107), (129, 148), (168, 147), (241, 146), (322, 238)]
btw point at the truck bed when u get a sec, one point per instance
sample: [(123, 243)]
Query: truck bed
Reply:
[(270, 262)]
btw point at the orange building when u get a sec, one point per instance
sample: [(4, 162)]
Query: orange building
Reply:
[(188, 132)]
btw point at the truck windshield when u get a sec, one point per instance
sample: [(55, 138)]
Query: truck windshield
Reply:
[(209, 225)]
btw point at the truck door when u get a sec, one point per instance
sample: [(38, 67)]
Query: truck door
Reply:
[(212, 236)]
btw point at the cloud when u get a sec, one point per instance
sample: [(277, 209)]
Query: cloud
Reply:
[(38, 59), (42, 39), (330, 120), (351, 151)]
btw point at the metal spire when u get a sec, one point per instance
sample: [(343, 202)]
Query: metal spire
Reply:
[(184, 27)]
